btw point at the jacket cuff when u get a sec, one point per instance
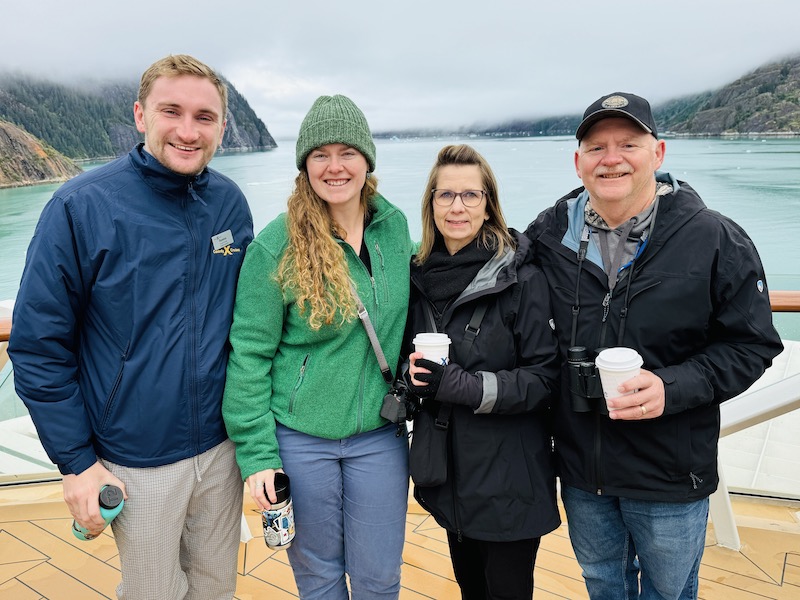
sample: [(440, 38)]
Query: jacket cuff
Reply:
[(489, 397), (87, 459), (673, 403)]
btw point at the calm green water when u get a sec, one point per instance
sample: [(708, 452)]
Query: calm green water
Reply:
[(755, 182)]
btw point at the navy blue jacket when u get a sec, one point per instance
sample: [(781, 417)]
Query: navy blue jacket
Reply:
[(120, 329)]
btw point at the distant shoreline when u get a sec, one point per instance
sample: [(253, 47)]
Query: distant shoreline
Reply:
[(751, 135), (232, 150), (450, 136), (511, 135), (18, 184)]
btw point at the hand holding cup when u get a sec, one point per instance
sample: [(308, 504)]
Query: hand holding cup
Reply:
[(631, 393), (433, 347), (616, 366)]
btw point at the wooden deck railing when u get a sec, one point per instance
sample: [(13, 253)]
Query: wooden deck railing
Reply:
[(5, 328), (782, 301)]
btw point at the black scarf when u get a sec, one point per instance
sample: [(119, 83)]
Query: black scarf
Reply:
[(444, 277)]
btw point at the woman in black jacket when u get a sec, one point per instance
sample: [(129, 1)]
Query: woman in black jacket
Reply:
[(495, 490)]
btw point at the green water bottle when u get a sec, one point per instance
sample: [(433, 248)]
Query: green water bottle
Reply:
[(111, 502)]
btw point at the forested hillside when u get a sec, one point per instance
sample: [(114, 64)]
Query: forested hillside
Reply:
[(97, 121)]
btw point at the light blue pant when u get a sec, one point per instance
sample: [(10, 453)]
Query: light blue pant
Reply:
[(350, 499), (617, 538)]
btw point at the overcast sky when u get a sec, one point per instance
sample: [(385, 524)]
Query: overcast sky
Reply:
[(414, 63)]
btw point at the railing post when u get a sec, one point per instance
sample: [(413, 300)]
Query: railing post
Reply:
[(721, 512)]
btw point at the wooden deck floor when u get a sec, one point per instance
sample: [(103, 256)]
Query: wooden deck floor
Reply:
[(40, 559)]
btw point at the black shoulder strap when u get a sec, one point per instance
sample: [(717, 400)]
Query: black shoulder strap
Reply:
[(473, 328), (471, 332)]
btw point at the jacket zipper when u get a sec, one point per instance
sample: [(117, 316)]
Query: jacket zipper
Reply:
[(598, 443), (598, 447), (604, 320), (456, 518), (374, 318), (453, 492), (191, 322)]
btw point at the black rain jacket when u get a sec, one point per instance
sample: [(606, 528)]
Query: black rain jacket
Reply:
[(501, 481), (696, 307)]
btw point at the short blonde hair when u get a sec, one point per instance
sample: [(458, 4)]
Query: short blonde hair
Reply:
[(181, 64)]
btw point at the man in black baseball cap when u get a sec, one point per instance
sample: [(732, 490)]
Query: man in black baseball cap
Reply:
[(634, 259)]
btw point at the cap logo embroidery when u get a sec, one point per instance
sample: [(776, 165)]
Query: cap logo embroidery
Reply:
[(614, 102)]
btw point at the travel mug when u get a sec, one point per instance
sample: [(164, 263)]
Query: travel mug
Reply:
[(111, 503), (278, 519)]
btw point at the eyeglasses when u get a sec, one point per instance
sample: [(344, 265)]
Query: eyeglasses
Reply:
[(469, 198)]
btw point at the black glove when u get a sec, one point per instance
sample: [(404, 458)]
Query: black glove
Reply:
[(433, 379), (460, 387)]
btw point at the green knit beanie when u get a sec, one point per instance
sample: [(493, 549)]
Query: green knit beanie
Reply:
[(335, 120)]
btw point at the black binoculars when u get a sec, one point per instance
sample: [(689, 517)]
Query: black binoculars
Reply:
[(585, 389)]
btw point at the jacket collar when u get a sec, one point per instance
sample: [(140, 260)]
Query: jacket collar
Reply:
[(163, 180), (673, 211), (381, 209), (498, 273)]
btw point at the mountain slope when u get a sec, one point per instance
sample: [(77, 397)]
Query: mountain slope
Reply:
[(98, 122), (24, 160), (764, 101)]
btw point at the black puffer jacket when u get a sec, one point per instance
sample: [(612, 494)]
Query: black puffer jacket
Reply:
[(696, 308), (501, 482)]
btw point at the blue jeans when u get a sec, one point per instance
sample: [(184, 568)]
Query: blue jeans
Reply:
[(617, 539), (350, 499)]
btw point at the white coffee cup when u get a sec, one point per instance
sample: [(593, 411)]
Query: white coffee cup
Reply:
[(434, 346), (617, 365)]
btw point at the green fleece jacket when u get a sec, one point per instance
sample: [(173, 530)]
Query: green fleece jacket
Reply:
[(325, 383)]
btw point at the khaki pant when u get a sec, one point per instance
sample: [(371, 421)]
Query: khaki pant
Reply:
[(178, 534)]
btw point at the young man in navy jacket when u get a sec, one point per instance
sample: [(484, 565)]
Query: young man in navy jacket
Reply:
[(119, 342)]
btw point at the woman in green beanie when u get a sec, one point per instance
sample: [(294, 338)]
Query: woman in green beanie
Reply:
[(304, 387)]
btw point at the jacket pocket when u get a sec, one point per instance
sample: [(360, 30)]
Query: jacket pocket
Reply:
[(298, 382), (644, 289), (383, 283), (112, 395)]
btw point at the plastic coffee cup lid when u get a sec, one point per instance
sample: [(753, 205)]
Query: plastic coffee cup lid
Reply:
[(431, 339), (618, 359)]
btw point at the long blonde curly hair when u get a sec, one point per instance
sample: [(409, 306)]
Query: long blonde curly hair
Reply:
[(314, 268)]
